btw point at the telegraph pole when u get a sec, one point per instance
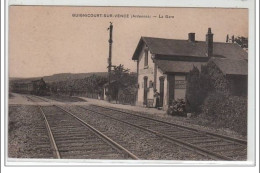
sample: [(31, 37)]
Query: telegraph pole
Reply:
[(110, 41)]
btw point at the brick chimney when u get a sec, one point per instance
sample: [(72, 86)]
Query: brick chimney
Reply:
[(209, 42), (191, 37)]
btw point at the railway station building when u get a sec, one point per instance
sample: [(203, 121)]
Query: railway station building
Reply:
[(163, 65)]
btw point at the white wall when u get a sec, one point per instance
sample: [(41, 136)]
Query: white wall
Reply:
[(149, 72), (145, 71)]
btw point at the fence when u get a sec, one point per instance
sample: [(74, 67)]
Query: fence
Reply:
[(127, 99), (82, 93)]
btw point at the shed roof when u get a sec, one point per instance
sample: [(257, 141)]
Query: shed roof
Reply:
[(174, 47), (231, 66)]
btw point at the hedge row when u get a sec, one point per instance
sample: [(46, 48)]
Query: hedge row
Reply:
[(226, 111)]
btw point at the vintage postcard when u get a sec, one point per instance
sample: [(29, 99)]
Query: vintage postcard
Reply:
[(128, 83)]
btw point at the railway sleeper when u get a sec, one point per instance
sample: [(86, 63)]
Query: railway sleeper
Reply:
[(87, 152), (149, 124), (70, 131), (75, 144), (179, 134), (70, 138), (181, 131), (81, 150), (189, 136), (94, 156), (61, 127), (78, 139), (169, 129), (87, 136), (219, 143), (228, 149), (204, 141), (65, 127), (65, 149), (194, 139), (83, 141)]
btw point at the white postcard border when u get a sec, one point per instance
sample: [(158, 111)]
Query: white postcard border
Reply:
[(145, 3)]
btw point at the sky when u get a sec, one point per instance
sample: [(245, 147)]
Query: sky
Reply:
[(46, 40)]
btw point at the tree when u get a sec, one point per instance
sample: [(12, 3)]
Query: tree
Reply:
[(193, 90), (120, 74), (122, 84), (198, 86), (91, 84), (242, 41)]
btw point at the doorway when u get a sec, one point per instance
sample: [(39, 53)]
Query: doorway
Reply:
[(161, 90), (145, 90)]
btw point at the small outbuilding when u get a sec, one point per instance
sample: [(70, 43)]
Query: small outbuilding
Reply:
[(229, 75)]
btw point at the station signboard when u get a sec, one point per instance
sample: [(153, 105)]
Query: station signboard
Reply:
[(180, 84)]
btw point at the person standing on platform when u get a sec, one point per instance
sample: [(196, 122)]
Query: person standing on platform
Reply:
[(156, 96)]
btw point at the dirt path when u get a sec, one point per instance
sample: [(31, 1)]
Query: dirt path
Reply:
[(152, 111), (18, 99)]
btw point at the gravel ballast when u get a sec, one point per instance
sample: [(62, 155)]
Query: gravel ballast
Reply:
[(27, 135), (143, 144), (194, 122)]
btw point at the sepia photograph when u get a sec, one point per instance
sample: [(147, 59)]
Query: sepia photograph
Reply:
[(128, 83)]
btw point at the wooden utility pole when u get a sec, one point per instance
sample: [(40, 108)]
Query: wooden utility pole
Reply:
[(110, 41)]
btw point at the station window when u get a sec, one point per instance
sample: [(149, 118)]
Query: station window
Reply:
[(150, 84), (146, 57)]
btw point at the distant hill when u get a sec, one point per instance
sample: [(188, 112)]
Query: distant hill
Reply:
[(60, 77)]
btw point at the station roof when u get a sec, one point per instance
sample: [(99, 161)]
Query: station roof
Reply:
[(174, 47), (177, 66)]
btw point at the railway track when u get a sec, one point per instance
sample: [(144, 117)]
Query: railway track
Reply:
[(76, 139), (215, 146), (211, 145), (72, 138)]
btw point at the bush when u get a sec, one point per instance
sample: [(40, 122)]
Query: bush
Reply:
[(198, 86), (177, 108), (226, 111), (127, 95)]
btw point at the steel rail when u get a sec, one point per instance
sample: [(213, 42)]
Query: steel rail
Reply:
[(52, 140), (101, 134), (188, 145), (51, 137), (231, 139)]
